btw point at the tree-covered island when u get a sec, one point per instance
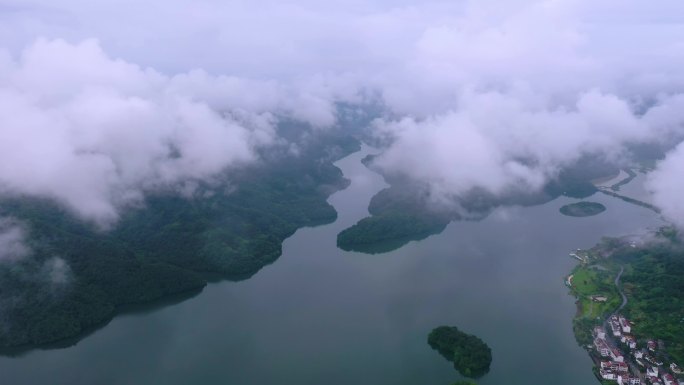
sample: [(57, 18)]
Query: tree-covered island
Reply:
[(470, 355), (582, 209)]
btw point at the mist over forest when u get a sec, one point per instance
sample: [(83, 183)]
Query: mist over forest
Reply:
[(150, 148)]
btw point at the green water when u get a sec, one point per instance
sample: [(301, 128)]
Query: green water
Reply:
[(319, 315)]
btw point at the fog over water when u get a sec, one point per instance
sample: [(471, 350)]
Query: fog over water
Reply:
[(103, 103), (322, 315)]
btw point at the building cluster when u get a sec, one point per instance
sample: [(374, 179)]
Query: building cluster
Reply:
[(622, 361)]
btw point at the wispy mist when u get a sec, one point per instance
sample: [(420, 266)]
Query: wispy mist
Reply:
[(12, 241)]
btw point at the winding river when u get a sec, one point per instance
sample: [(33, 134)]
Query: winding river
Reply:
[(320, 315)]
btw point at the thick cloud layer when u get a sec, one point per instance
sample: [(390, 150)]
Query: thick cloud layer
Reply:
[(94, 133), (495, 142), (491, 94)]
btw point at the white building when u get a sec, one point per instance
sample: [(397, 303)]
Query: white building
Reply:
[(600, 332), (616, 355), (624, 379), (602, 347), (629, 340), (613, 366), (669, 379), (607, 374), (652, 371), (625, 325), (615, 327)]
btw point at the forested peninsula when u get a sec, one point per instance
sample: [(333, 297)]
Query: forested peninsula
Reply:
[(404, 212), (78, 277)]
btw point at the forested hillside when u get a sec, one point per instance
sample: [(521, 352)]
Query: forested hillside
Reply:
[(78, 277)]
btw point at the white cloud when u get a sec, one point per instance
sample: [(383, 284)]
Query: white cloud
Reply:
[(498, 143), (474, 87), (95, 133), (667, 186)]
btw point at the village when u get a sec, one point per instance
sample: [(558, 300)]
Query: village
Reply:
[(619, 357)]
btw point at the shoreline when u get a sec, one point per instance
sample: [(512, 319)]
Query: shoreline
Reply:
[(608, 324), (82, 328)]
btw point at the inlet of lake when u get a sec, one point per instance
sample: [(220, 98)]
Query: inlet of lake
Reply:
[(319, 315)]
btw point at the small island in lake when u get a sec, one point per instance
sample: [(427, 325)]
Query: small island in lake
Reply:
[(469, 354), (582, 209)]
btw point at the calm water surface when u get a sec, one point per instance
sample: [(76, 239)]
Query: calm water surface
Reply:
[(320, 315)]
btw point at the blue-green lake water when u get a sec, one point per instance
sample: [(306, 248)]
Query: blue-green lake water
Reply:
[(320, 315)]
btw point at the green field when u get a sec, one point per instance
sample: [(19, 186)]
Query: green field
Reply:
[(593, 280), (587, 282)]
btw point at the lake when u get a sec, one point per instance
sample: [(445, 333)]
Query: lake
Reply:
[(320, 315)]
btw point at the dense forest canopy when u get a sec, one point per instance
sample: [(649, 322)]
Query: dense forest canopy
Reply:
[(78, 277), (654, 285), (469, 354)]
